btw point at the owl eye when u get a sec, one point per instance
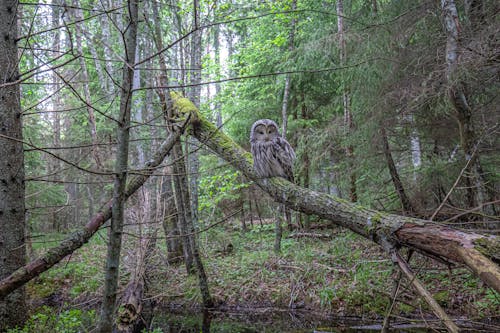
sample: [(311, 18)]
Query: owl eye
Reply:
[(260, 132)]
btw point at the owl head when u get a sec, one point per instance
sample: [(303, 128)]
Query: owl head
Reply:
[(264, 130)]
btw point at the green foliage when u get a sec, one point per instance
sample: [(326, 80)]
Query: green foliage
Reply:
[(49, 320), (392, 77), (219, 186), (80, 274), (223, 186), (442, 297), (490, 301), (155, 330), (346, 274)]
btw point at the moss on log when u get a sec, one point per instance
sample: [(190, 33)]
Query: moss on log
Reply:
[(428, 238)]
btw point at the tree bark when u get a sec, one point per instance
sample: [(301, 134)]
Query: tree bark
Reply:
[(288, 77), (187, 227), (53, 165), (13, 310), (108, 53), (131, 302), (187, 230), (180, 194), (193, 164), (416, 151), (287, 215), (192, 160), (175, 247), (195, 56), (475, 251), (121, 165), (305, 173), (169, 221), (186, 205), (348, 123), (278, 230), (398, 185), (217, 106), (182, 203), (474, 183)]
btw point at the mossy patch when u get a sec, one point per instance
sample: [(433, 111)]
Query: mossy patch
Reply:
[(488, 246)]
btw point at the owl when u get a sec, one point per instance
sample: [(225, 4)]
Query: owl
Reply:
[(272, 154)]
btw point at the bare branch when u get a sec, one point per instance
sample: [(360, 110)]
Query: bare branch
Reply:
[(82, 236)]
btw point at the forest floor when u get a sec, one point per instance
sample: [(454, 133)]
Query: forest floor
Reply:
[(338, 275)]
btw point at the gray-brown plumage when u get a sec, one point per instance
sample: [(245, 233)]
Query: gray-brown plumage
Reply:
[(272, 155)]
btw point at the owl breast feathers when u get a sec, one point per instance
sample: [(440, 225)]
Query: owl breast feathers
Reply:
[(272, 154)]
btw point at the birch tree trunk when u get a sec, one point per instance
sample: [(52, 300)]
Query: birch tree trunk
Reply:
[(119, 197), (13, 310), (288, 78), (474, 182), (416, 152), (287, 214)]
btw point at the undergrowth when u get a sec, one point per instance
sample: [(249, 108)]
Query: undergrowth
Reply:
[(49, 319), (345, 275)]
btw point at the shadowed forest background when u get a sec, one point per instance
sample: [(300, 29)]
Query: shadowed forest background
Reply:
[(392, 105)]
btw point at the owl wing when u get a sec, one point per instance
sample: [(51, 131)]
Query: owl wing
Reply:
[(286, 156)]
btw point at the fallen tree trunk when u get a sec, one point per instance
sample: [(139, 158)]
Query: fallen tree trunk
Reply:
[(130, 305), (82, 236), (475, 251), (471, 249), (420, 289), (310, 235)]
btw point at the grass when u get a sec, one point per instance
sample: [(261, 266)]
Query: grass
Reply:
[(48, 319), (79, 275), (346, 275)]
